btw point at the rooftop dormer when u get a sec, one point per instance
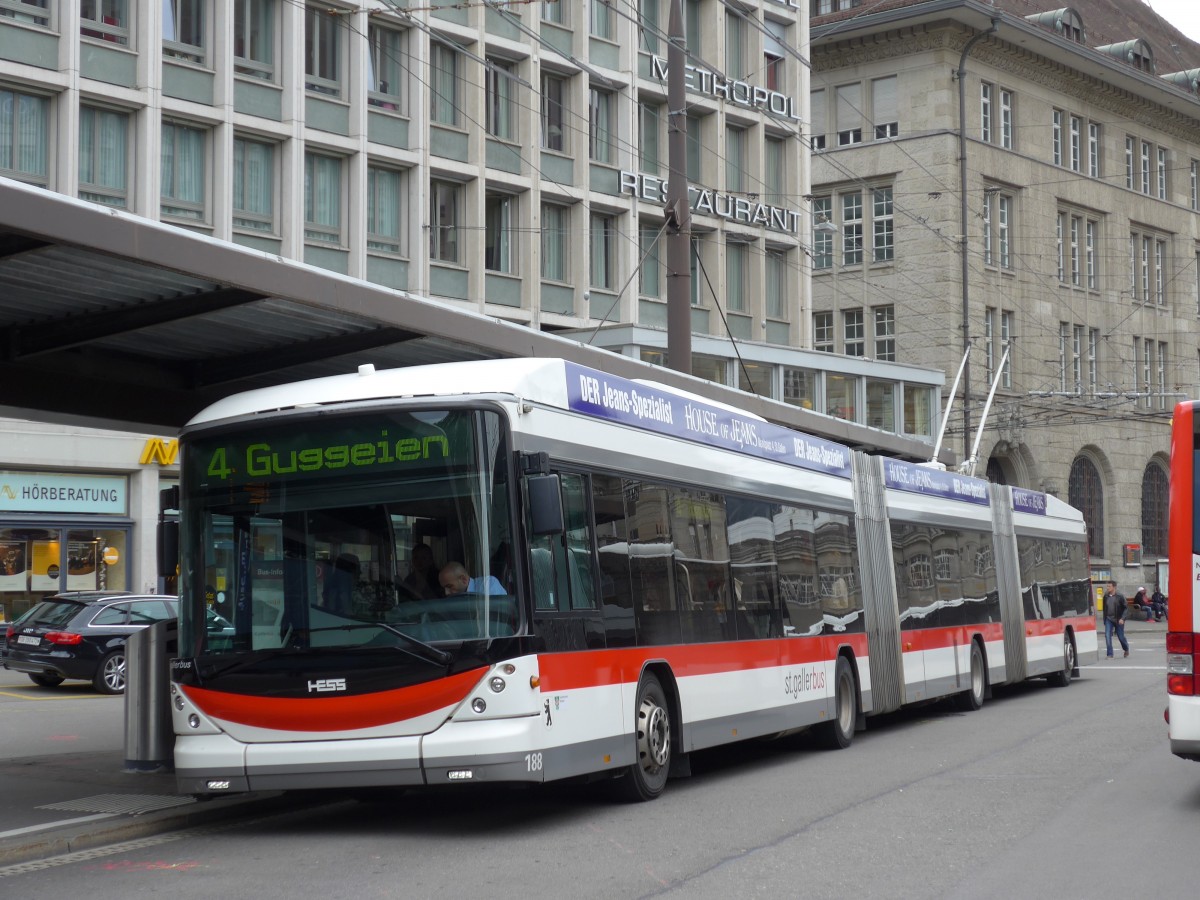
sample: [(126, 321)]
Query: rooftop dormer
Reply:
[(1065, 21), (1136, 53)]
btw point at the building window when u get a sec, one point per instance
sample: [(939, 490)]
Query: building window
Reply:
[(253, 185), (735, 159), (852, 229), (1093, 150), (884, 108), (499, 245), (254, 38), (103, 156), (603, 239), (602, 123), (816, 139), (107, 20), (444, 215), (985, 112), (1162, 173), (776, 284), (1145, 171), (1003, 229), (736, 257), (650, 271), (650, 17), (556, 221), (183, 30), (603, 19), (822, 238), (1154, 510), (775, 37), (853, 340), (775, 170), (989, 343), (1093, 350), (322, 198), (443, 74), (885, 332), (24, 137), (649, 126), (501, 105), (1129, 161), (322, 63), (386, 67), (987, 227), (1093, 278), (1006, 119), (1007, 321), (1077, 332), (1076, 146), (1194, 174), (1161, 374), (554, 96), (1085, 491), (27, 12), (182, 172), (1160, 269), (918, 409), (554, 11), (1076, 225), (385, 210), (1056, 136), (735, 46), (1148, 268), (883, 241), (1060, 244), (800, 387), (823, 331), (849, 114)]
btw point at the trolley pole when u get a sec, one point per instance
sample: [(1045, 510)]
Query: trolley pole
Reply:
[(678, 210)]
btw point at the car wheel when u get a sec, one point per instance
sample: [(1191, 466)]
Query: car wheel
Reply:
[(110, 675), (46, 679), (838, 732)]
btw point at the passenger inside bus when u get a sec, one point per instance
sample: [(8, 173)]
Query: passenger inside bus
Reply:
[(455, 579)]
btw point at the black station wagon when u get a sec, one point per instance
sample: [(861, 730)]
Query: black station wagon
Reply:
[(81, 635)]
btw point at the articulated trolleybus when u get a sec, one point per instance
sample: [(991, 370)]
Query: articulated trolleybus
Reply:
[(650, 574), (1183, 585)]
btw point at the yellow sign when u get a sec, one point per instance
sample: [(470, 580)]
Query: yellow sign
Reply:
[(111, 556), (163, 451)]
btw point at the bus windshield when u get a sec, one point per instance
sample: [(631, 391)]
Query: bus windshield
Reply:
[(372, 530)]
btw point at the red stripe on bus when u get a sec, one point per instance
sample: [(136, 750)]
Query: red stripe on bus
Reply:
[(943, 638), (1182, 519), (344, 713), (600, 668)]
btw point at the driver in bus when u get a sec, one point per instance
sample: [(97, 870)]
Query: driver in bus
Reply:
[(455, 579)]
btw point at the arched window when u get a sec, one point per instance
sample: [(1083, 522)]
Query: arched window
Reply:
[(1154, 510), (1085, 492)]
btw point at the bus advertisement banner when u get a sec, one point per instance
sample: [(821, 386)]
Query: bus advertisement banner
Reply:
[(903, 476), (615, 399)]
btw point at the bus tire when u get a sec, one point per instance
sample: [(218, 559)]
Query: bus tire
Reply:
[(1063, 677), (838, 732), (647, 777), (972, 698)]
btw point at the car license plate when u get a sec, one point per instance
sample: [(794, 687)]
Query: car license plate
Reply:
[(28, 639)]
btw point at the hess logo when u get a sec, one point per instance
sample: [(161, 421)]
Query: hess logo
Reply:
[(323, 685)]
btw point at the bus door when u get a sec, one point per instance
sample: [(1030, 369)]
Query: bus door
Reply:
[(563, 570)]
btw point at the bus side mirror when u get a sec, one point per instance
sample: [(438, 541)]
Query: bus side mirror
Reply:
[(168, 549), (545, 504)]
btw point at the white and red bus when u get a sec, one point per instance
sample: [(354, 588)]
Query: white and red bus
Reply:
[(651, 574), (1183, 587)]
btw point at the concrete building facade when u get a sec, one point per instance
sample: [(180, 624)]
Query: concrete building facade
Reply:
[(1080, 157)]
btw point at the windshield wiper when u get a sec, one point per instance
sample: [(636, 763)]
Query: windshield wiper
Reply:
[(427, 651)]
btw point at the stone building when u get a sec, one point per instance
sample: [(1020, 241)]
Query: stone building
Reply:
[(1074, 246)]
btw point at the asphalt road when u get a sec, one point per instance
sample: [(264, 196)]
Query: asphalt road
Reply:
[(1043, 793)]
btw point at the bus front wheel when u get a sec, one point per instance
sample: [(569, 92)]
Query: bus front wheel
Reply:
[(647, 777)]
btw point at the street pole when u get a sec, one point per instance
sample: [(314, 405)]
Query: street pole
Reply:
[(962, 194), (678, 211)]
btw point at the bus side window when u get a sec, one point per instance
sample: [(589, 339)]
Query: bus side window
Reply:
[(577, 569)]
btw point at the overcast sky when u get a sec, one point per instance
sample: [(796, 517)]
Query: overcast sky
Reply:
[(1183, 14)]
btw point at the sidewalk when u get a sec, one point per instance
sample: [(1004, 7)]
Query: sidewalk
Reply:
[(64, 803)]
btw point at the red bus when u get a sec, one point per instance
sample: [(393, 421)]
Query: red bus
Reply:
[(1183, 608)]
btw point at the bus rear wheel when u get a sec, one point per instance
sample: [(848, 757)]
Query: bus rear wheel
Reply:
[(972, 698), (647, 777), (1063, 678), (838, 732)]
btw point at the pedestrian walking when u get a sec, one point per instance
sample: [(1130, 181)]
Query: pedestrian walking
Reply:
[(1115, 610)]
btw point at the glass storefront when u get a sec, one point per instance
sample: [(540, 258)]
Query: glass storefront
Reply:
[(36, 561)]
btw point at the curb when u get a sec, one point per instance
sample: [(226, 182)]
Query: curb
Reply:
[(91, 835)]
